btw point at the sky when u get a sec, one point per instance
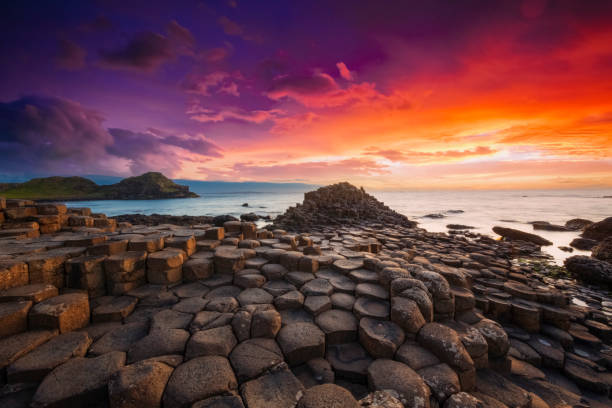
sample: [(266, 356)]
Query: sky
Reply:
[(385, 94)]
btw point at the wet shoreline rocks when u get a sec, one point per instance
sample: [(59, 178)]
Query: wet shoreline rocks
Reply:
[(345, 314)]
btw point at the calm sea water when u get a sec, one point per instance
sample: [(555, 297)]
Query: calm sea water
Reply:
[(481, 209)]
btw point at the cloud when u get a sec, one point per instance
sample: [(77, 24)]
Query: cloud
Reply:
[(230, 27), (70, 56), (44, 135), (201, 114), (289, 124), (344, 71), (412, 156), (320, 90), (215, 82), (147, 50)]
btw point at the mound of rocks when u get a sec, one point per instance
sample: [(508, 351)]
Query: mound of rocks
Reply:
[(599, 230), (590, 270), (339, 204)]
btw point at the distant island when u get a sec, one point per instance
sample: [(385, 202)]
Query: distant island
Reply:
[(147, 186)]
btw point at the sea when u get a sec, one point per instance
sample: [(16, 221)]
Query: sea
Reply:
[(479, 209)]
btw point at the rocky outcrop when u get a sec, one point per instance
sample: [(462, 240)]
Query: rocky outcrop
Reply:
[(589, 269), (147, 186), (599, 230), (603, 250), (517, 235), (577, 224), (339, 204)]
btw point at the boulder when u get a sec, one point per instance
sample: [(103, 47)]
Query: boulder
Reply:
[(589, 269), (577, 224), (583, 243), (517, 235), (599, 230), (603, 250)]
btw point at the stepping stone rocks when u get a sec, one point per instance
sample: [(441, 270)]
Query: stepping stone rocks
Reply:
[(252, 357), (339, 326), (197, 379), (196, 269), (218, 341), (13, 274), (229, 260), (64, 313), (158, 343), (280, 389), (34, 366), (407, 315), (140, 384), (301, 342), (36, 293), (349, 360), (115, 310), (254, 296), (14, 317), (78, 382), (367, 307), (165, 267), (380, 338), (119, 339), (386, 374), (265, 323), (327, 396)]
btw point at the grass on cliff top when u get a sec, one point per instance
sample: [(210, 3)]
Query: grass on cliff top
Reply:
[(146, 186), (50, 188)]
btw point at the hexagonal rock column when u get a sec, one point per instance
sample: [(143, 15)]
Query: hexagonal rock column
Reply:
[(327, 396), (36, 293), (125, 271), (386, 374), (65, 313), (14, 317), (197, 268), (229, 260), (165, 267), (254, 356), (34, 366), (279, 389), (13, 274), (187, 244), (301, 342), (197, 379), (46, 267), (140, 384), (87, 273), (78, 381), (380, 338)]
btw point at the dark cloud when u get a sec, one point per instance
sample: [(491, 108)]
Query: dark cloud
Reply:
[(317, 83), (148, 50), (99, 24), (57, 136), (70, 55), (230, 27), (51, 135)]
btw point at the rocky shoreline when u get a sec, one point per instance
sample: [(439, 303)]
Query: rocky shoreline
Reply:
[(341, 303)]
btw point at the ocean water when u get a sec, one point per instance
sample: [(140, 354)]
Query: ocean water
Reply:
[(480, 209)]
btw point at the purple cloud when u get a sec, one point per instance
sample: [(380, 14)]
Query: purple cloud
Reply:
[(46, 135), (148, 50)]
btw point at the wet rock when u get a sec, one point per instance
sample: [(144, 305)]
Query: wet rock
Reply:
[(78, 381), (140, 384), (577, 224), (599, 230), (386, 374), (583, 243), (589, 269), (603, 250), (327, 396), (197, 379), (517, 235)]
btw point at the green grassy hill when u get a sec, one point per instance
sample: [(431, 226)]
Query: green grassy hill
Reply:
[(144, 187)]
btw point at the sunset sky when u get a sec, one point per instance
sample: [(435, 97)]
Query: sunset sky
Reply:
[(385, 94)]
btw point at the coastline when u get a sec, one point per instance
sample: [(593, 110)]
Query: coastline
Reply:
[(360, 300)]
